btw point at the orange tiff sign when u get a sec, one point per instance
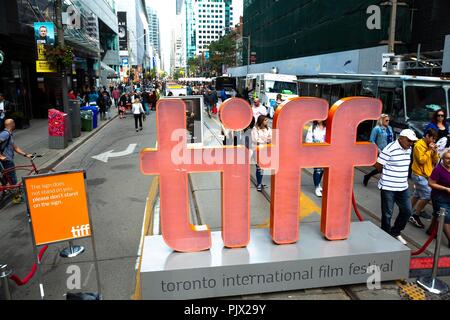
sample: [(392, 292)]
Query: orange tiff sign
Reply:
[(173, 160), (58, 207)]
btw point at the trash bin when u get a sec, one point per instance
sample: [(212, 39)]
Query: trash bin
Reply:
[(94, 110), (75, 120), (87, 120), (58, 129)]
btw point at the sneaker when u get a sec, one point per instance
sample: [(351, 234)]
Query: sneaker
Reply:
[(400, 238), (320, 188), (366, 180), (425, 215), (318, 192), (259, 188), (141, 129), (415, 220), (137, 130)]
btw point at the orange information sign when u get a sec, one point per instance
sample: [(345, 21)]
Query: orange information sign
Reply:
[(58, 207)]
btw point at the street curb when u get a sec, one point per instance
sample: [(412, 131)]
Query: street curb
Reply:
[(76, 146)]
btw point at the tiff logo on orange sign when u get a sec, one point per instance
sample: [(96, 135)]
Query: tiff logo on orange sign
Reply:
[(287, 155)]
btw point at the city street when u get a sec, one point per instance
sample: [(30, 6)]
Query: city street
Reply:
[(345, 195), (117, 197), (124, 207)]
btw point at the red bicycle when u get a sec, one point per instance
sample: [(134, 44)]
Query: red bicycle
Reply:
[(6, 176)]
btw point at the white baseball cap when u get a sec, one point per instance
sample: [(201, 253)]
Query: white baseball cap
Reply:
[(411, 135)]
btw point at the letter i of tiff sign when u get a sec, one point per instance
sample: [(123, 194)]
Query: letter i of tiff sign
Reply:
[(287, 155)]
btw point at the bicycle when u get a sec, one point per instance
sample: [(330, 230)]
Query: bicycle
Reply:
[(7, 186)]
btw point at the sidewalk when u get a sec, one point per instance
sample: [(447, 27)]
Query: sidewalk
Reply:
[(35, 139)]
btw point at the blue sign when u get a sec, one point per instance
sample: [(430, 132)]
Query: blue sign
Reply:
[(207, 55), (125, 61)]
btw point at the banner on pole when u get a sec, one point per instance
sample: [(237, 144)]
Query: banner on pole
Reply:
[(44, 35), (123, 30)]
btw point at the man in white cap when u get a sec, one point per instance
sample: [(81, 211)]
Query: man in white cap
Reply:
[(393, 162)]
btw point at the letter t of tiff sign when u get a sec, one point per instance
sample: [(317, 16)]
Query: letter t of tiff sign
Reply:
[(339, 155), (173, 168)]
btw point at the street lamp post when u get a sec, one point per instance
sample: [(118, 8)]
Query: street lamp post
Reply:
[(60, 34), (248, 52), (393, 24)]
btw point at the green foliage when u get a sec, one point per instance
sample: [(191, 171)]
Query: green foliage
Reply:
[(193, 66), (151, 74), (163, 74), (178, 73), (222, 52), (59, 56)]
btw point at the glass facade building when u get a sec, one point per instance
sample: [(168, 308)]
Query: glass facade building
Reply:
[(287, 29)]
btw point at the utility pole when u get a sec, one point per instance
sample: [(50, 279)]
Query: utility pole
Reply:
[(393, 26), (60, 36), (248, 54)]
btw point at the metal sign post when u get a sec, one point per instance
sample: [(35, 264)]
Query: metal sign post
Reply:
[(433, 284), (4, 275), (72, 251), (47, 198)]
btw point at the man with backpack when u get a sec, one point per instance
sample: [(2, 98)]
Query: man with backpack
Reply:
[(7, 149)]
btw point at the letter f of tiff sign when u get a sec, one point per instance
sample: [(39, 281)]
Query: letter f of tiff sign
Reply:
[(287, 155)]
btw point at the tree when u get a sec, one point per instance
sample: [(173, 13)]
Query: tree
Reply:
[(222, 52), (151, 74), (163, 74), (193, 64), (178, 73)]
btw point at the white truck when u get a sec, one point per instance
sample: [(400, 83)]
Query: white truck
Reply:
[(266, 87)]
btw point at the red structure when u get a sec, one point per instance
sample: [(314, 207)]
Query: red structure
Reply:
[(287, 155)]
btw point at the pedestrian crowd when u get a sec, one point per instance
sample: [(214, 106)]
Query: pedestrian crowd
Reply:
[(426, 161), (139, 99)]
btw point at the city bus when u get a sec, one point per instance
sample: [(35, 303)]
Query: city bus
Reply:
[(409, 100)]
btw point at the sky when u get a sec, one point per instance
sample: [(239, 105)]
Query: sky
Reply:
[(167, 16)]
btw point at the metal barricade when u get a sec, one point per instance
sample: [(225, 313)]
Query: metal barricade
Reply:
[(432, 283)]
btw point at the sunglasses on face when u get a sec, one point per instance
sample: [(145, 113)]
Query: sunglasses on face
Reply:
[(440, 115)]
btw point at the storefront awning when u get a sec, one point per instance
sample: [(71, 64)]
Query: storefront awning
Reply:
[(110, 72)]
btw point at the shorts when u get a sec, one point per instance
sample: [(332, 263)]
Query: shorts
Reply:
[(439, 202), (422, 189)]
